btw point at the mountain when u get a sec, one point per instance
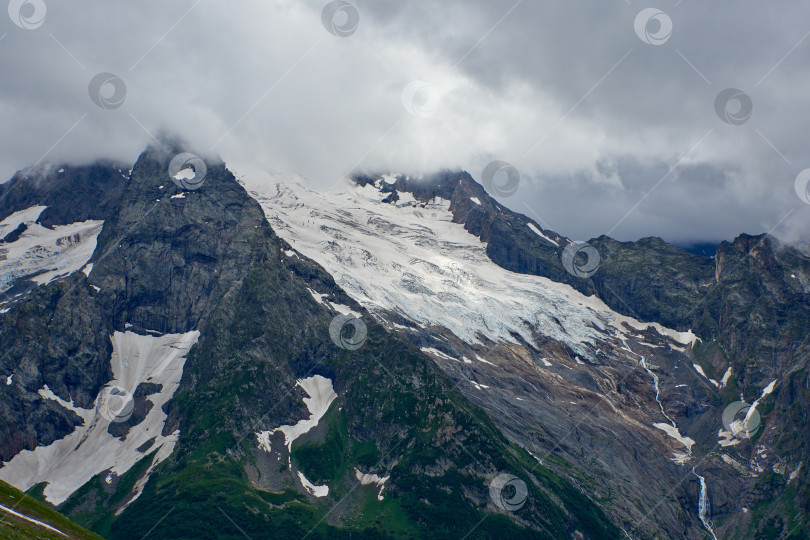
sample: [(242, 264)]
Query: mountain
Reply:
[(191, 356), (628, 385), (196, 377)]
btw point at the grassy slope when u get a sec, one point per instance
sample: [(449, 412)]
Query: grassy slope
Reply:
[(13, 528)]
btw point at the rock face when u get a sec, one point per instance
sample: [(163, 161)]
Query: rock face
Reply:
[(170, 260), (57, 336)]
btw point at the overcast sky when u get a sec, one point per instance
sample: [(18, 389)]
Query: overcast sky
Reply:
[(612, 123)]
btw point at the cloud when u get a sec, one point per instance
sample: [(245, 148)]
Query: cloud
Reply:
[(610, 134)]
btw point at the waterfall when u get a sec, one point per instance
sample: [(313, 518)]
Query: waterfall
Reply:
[(703, 505)]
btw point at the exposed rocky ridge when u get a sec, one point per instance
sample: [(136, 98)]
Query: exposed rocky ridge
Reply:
[(71, 351), (56, 337), (71, 193)]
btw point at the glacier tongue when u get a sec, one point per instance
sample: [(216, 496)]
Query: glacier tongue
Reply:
[(411, 258)]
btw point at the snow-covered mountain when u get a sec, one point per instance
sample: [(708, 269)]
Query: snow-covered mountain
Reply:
[(561, 372), (195, 363)]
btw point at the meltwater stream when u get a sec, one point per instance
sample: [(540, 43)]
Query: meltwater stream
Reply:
[(643, 363)]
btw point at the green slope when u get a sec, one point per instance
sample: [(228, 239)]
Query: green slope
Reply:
[(15, 527)]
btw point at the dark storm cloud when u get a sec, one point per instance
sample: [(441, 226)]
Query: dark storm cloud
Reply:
[(610, 134)]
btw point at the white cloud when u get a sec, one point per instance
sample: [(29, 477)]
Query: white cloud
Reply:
[(284, 94)]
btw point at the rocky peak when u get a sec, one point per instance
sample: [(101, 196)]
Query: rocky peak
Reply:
[(172, 248)]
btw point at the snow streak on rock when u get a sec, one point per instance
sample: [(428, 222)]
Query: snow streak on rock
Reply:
[(670, 429), (366, 479)]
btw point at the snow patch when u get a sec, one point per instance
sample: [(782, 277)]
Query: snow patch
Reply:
[(483, 360), (703, 373), (437, 352), (475, 200), (795, 473), (48, 253), (767, 390), (726, 376), (179, 195), (321, 395), (674, 432), (340, 308), (367, 478), (185, 174), (318, 491)]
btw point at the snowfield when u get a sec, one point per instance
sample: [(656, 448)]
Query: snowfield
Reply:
[(41, 253), (70, 462)]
